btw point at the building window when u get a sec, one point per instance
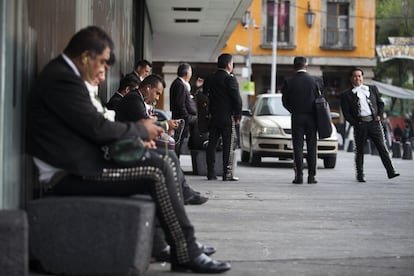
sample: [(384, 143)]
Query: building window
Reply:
[(337, 32), (284, 28)]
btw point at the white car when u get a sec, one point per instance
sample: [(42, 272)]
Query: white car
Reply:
[(266, 131)]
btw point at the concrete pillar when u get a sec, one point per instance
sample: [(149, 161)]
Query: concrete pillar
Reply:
[(407, 151), (169, 71), (396, 149)]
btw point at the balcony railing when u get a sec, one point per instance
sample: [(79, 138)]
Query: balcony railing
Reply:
[(285, 40), (338, 39)]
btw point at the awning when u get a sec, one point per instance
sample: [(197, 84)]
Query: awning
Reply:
[(394, 91)]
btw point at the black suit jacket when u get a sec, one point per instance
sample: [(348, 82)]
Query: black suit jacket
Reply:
[(114, 101), (225, 102), (299, 93), (64, 128), (350, 107), (134, 75), (182, 104), (131, 108)]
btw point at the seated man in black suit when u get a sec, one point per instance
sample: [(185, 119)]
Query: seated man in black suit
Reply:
[(137, 106), (126, 85), (66, 133)]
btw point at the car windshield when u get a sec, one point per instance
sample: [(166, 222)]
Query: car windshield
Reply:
[(271, 106)]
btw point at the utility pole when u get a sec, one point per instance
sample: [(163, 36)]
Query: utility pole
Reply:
[(250, 24), (274, 49)]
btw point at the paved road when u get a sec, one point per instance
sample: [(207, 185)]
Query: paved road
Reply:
[(264, 225)]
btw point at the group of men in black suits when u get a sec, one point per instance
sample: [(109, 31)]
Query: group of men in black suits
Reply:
[(224, 111), (67, 129)]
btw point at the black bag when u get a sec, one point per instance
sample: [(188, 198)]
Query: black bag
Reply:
[(126, 152), (203, 114), (323, 117)]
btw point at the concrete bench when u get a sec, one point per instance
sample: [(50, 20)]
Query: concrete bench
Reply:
[(13, 243), (91, 235)]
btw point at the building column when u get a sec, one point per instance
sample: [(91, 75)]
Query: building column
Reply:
[(315, 71), (169, 71)]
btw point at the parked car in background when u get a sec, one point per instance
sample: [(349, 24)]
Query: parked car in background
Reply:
[(265, 131)]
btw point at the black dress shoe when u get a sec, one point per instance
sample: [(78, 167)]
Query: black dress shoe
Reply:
[(233, 178), (312, 180), (212, 177), (208, 250), (361, 178), (201, 264), (164, 255), (298, 180), (195, 199), (393, 174)]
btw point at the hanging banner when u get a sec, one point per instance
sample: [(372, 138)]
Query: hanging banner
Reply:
[(400, 47), (387, 52), (397, 40)]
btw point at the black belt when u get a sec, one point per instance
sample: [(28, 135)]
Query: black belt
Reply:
[(368, 118)]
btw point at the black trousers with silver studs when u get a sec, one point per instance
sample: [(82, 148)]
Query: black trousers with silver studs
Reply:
[(156, 176)]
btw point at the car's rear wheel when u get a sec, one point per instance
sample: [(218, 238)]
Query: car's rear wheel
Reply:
[(245, 156), (329, 162)]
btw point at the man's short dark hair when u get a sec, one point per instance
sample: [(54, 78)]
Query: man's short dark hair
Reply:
[(143, 63), (356, 69), (92, 39), (152, 80), (224, 60), (183, 69), (299, 62), (128, 81)]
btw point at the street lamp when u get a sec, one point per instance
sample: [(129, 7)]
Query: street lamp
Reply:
[(309, 16)]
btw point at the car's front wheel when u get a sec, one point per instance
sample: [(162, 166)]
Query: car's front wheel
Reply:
[(254, 158), (329, 162), (245, 156)]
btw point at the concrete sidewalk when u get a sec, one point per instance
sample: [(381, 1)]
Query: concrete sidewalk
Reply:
[(264, 225)]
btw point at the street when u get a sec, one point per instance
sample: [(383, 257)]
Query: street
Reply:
[(264, 225)]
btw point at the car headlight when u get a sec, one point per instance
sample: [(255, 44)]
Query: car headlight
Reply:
[(266, 131)]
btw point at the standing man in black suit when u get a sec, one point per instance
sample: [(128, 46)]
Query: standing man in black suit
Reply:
[(66, 133), (363, 108), (182, 104), (225, 107), (299, 94)]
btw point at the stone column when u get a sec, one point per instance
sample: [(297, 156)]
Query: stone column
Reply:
[(169, 71)]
